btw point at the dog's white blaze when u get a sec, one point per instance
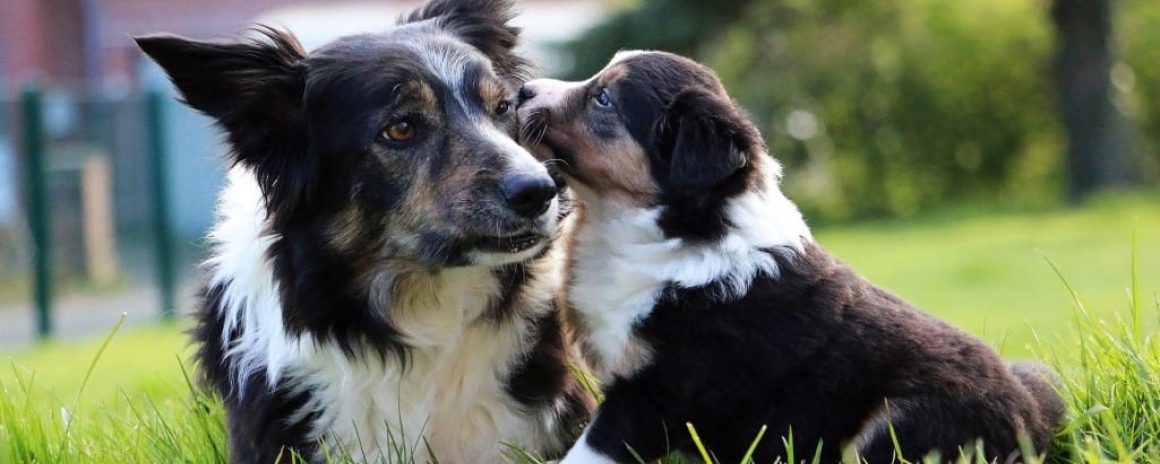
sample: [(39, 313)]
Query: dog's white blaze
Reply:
[(519, 159), (581, 453), (519, 162), (623, 260), (453, 387), (449, 68)]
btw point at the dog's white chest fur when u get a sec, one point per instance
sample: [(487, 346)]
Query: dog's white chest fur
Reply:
[(447, 392), (451, 395)]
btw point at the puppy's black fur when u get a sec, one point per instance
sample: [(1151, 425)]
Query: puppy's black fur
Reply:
[(821, 352), (805, 346)]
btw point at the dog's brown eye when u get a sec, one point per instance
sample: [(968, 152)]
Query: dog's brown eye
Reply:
[(399, 131), (503, 107)]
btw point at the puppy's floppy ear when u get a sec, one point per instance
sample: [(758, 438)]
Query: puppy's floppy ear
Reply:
[(253, 88), (705, 139), (484, 25)]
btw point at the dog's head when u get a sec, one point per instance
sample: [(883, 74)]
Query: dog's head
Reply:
[(651, 129), (393, 145)]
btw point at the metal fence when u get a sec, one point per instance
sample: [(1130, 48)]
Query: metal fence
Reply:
[(86, 229)]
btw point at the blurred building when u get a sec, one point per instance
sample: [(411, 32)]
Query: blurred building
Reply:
[(80, 52), (70, 42)]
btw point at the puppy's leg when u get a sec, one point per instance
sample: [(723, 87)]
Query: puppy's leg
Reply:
[(634, 420), (584, 453), (1043, 386), (945, 425)]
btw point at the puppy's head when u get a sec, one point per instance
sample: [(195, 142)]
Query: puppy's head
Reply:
[(651, 129), (391, 145)]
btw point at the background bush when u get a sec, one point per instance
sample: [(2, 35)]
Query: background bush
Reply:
[(1137, 80), (889, 107)]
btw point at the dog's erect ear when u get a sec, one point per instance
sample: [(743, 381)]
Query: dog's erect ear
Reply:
[(484, 25), (232, 80), (253, 88), (705, 139)]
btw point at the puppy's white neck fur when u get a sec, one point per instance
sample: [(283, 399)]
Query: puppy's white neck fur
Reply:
[(453, 386), (758, 220), (623, 261)]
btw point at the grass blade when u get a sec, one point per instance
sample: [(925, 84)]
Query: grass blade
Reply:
[(748, 458), (88, 375), (697, 441)]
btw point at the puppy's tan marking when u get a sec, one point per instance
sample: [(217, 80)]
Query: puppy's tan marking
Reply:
[(612, 74), (617, 168)]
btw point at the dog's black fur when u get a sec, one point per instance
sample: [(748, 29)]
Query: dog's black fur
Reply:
[(350, 215), (808, 347)]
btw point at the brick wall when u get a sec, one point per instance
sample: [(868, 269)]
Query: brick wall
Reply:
[(45, 39)]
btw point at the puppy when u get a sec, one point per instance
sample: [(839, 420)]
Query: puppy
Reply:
[(706, 300), (384, 270)]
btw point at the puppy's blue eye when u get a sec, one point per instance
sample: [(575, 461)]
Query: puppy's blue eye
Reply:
[(503, 107), (603, 99)]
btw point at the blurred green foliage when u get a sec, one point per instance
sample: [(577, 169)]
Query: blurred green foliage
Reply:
[(1137, 79), (889, 107)]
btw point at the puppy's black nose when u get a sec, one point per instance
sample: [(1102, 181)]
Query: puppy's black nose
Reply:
[(526, 93), (529, 196)]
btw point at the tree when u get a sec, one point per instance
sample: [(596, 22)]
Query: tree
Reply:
[(1097, 154)]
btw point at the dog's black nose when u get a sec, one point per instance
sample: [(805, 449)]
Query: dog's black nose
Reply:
[(529, 196), (526, 93)]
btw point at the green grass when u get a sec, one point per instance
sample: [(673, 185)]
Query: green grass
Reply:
[(1113, 390), (122, 399), (988, 273)]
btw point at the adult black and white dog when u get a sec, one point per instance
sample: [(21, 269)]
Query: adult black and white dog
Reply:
[(383, 268), (706, 301)]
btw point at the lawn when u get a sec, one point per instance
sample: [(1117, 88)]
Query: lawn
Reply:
[(987, 273)]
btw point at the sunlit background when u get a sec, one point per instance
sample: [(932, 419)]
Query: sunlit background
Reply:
[(996, 162), (947, 149)]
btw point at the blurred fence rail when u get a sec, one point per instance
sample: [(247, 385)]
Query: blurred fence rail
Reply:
[(84, 209)]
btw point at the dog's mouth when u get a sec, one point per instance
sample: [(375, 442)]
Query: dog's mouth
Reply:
[(512, 244)]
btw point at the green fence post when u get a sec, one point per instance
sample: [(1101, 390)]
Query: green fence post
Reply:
[(38, 214), (163, 233)]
